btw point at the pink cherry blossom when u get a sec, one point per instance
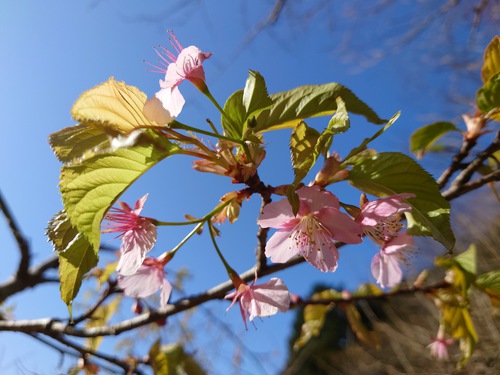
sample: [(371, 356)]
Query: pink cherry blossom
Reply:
[(167, 103), (312, 232), (149, 278), (439, 347), (381, 218), (387, 264), (261, 300), (138, 234)]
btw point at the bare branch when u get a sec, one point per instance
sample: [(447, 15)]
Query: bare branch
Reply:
[(22, 243)]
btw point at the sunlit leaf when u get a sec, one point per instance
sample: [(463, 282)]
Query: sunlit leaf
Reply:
[(255, 96), (89, 188), (314, 317), (352, 157), (394, 173), (463, 267), (488, 96), (423, 138), (491, 65), (367, 290), (172, 360), (76, 256), (490, 284), (236, 113), (291, 107), (99, 318), (77, 142), (112, 106)]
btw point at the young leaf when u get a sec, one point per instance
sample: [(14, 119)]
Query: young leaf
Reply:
[(491, 65), (113, 106), (255, 96), (243, 105), (488, 96), (352, 157), (90, 188), (76, 256), (291, 107), (236, 115), (490, 284), (394, 173), (78, 142), (302, 148), (424, 137)]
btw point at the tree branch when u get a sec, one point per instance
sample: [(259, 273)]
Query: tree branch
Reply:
[(22, 243)]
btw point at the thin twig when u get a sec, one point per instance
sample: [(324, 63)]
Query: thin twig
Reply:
[(22, 243)]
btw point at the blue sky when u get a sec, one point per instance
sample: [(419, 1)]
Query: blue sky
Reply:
[(53, 51)]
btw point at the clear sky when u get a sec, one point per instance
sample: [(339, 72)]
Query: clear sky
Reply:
[(52, 51)]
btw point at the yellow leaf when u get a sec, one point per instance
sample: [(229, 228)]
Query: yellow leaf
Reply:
[(112, 106), (491, 65)]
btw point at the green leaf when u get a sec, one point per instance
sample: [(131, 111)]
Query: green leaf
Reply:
[(367, 290), (255, 96), (302, 147), (339, 123), (291, 107), (112, 106), (90, 188), (394, 173), (172, 360), (100, 317), (353, 155), (314, 317), (78, 142), (490, 284), (491, 65), (424, 137), (76, 256), (236, 113), (243, 105), (488, 96), (467, 260)]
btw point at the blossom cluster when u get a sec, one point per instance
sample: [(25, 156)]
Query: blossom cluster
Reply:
[(312, 233)]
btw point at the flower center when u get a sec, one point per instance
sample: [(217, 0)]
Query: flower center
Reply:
[(385, 229)]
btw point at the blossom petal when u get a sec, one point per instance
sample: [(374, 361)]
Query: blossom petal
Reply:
[(277, 215), (402, 242), (166, 289), (164, 106), (315, 199), (266, 299), (340, 225), (380, 209), (139, 204), (146, 281), (281, 247), (135, 244), (321, 252), (386, 269)]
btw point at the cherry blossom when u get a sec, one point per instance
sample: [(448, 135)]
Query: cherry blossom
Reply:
[(387, 264), (312, 232), (186, 63), (381, 218), (439, 347), (138, 234), (149, 278), (260, 300)]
